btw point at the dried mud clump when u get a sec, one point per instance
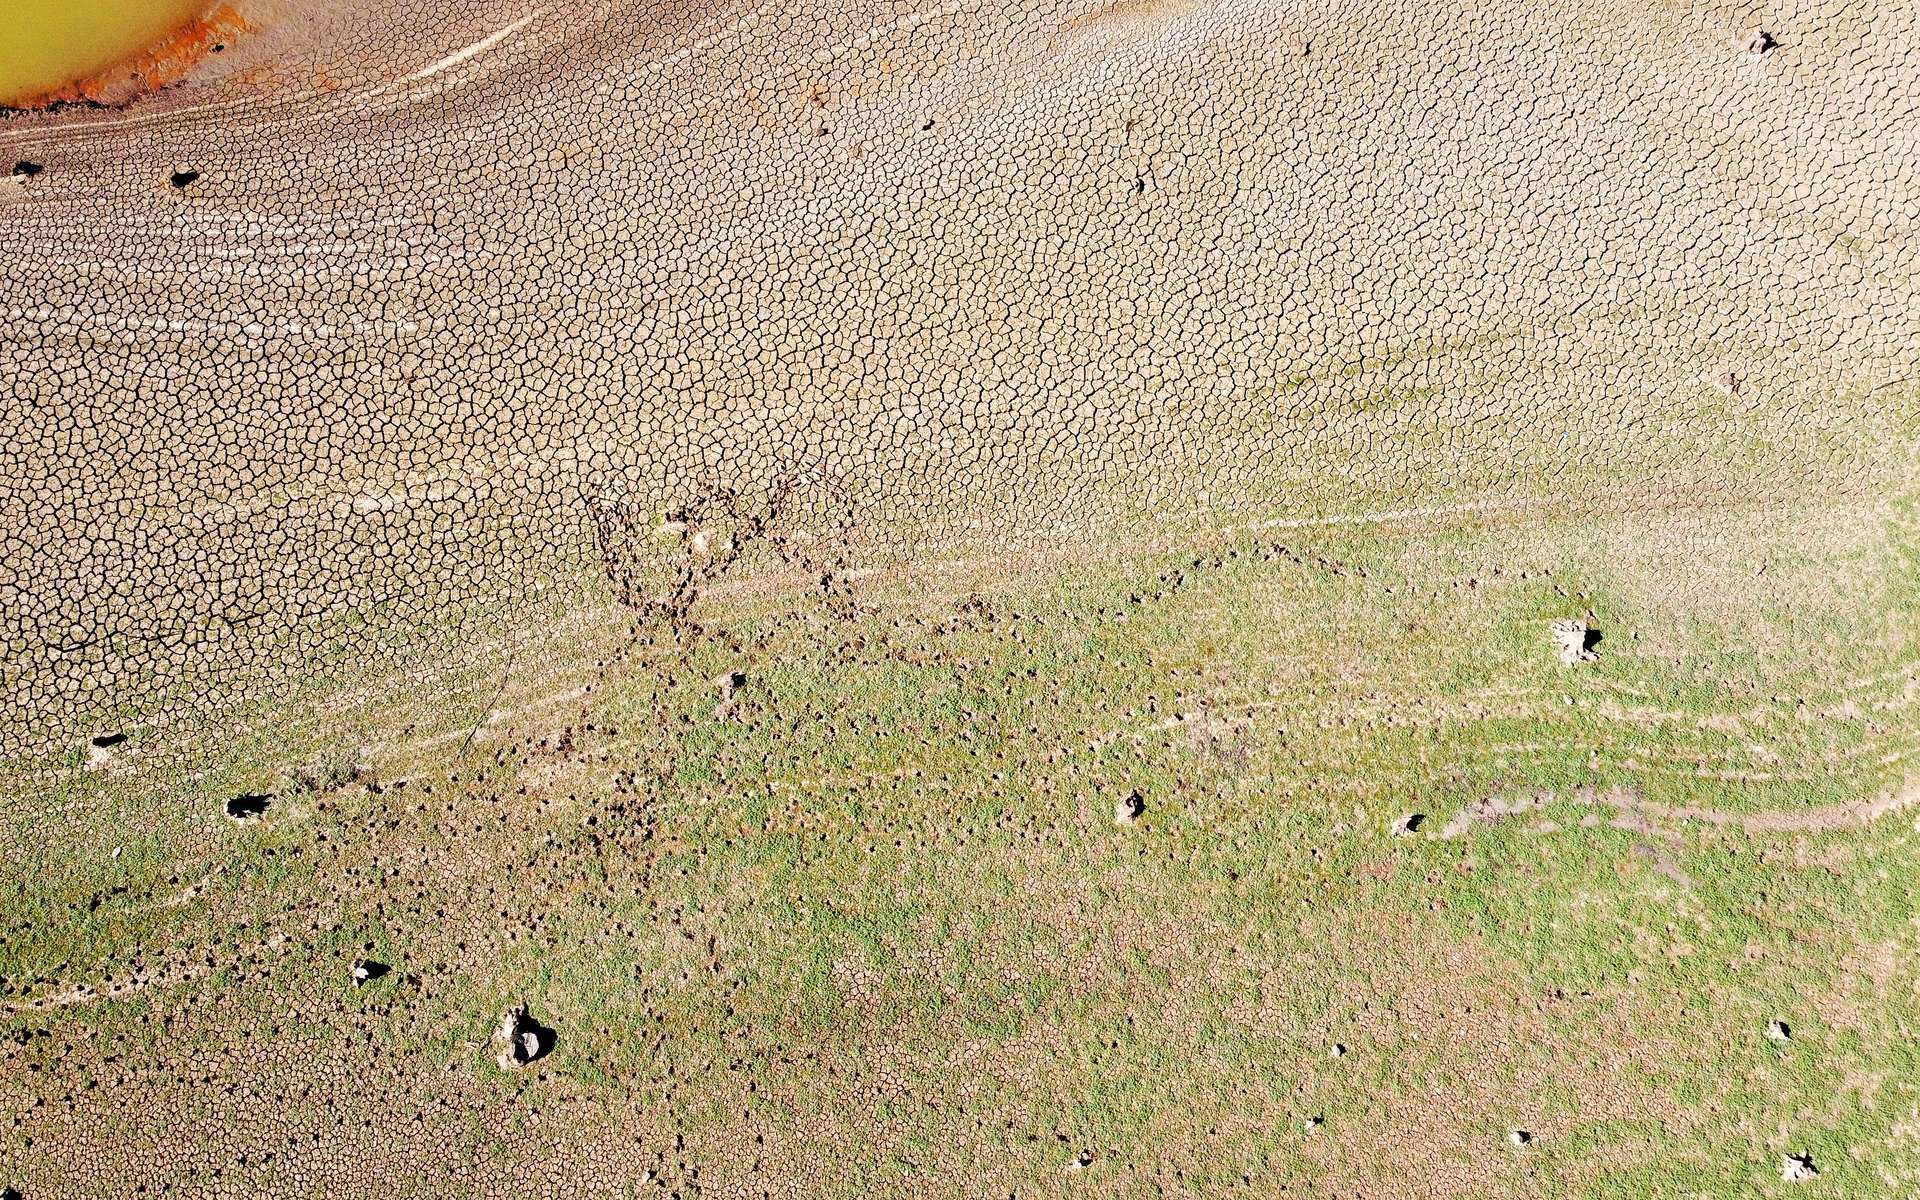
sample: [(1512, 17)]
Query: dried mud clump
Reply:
[(729, 684), (1797, 1168), (247, 808), (101, 748), (1574, 640), (520, 1039), (329, 772)]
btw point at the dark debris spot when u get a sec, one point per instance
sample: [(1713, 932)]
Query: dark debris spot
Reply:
[(247, 807)]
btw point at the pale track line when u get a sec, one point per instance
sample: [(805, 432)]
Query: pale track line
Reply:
[(479, 47)]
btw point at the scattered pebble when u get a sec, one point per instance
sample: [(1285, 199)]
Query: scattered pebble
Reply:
[(1777, 1031), (1409, 824), (1519, 1137), (1128, 808), (1081, 1161), (1337, 1050)]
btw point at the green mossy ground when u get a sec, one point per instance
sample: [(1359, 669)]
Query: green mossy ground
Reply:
[(883, 895)]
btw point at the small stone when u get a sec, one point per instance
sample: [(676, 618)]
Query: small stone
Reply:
[(1128, 808), (1519, 1138), (365, 970), (1081, 1161), (1777, 1031), (1757, 42), (1797, 1168), (181, 179), (1409, 824), (1337, 1050), (1313, 1123)]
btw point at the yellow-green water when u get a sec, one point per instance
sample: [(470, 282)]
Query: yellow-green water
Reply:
[(47, 43)]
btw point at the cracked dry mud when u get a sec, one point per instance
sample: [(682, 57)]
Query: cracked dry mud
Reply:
[(891, 574)]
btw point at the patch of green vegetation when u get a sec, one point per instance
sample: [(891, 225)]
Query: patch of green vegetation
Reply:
[(883, 886)]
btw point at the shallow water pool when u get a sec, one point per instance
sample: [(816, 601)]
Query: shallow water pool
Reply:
[(46, 44)]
